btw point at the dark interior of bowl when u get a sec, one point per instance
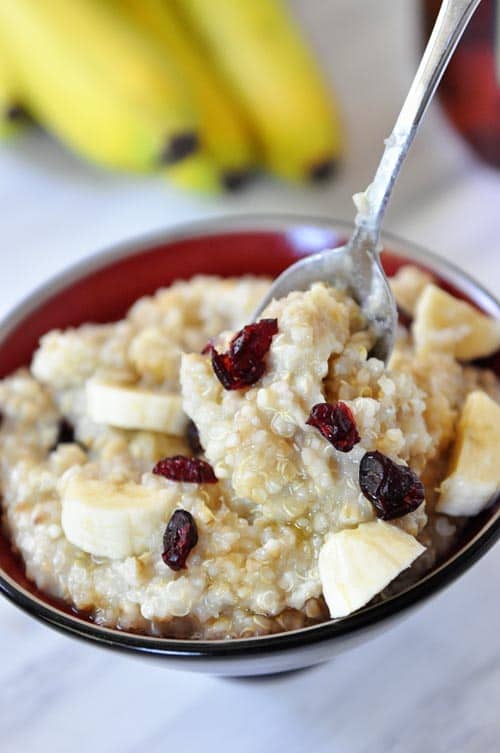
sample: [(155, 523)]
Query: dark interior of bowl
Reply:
[(105, 294)]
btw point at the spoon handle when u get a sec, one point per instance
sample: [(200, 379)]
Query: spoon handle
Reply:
[(451, 22)]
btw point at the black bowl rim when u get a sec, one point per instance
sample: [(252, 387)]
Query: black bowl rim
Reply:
[(412, 596)]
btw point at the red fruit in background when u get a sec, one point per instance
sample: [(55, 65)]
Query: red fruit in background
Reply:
[(469, 91)]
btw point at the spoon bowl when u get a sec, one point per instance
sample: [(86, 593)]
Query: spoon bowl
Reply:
[(355, 268)]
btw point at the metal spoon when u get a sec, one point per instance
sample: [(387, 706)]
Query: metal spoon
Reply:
[(356, 266)]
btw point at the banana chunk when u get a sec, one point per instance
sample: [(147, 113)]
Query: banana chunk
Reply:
[(407, 285), (443, 322), (357, 563), (474, 478), (110, 519), (129, 407)]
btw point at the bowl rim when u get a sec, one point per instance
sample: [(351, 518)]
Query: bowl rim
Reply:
[(234, 648)]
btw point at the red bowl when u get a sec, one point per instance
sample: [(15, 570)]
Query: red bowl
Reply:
[(101, 289)]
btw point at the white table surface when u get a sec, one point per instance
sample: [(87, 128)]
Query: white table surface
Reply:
[(432, 684)]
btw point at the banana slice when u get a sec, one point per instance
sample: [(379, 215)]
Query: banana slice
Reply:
[(407, 285), (110, 519), (357, 563), (474, 479), (443, 322), (134, 408)]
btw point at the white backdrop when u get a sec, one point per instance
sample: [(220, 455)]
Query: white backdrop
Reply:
[(429, 685)]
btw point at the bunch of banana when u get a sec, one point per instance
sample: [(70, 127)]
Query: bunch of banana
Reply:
[(205, 91)]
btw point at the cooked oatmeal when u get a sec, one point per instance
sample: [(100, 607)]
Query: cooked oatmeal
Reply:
[(269, 528)]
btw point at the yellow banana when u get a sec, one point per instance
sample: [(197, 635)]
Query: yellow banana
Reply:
[(199, 172), (93, 80), (11, 113), (223, 130), (257, 48)]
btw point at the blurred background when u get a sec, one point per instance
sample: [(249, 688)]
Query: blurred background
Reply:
[(124, 117), (89, 171)]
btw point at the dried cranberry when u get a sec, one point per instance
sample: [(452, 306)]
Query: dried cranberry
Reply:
[(492, 363), (243, 364), (253, 341), (207, 349), (404, 318), (193, 438), (180, 468), (65, 434), (231, 377), (336, 423), (394, 490), (180, 536)]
